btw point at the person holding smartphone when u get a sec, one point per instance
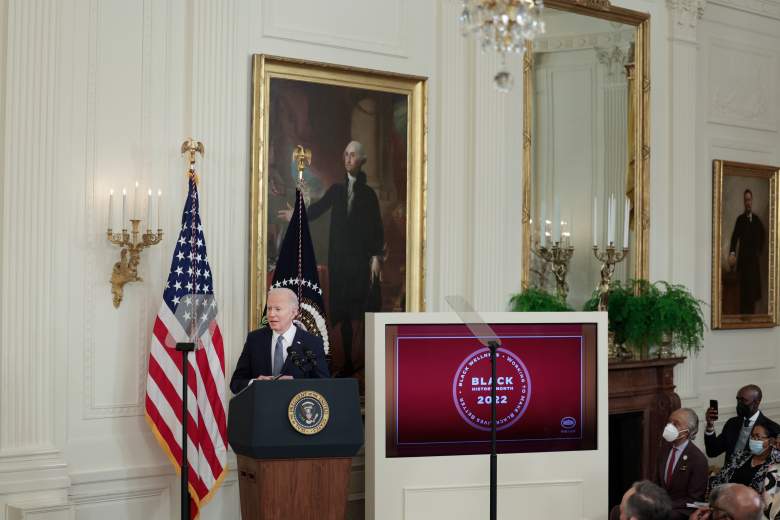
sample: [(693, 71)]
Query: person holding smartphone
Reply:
[(735, 436)]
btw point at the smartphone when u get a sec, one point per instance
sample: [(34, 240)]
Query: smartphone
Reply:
[(714, 404)]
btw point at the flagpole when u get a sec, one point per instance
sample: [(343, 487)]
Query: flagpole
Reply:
[(184, 348), (189, 147)]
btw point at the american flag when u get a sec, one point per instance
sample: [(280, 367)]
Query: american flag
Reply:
[(188, 314)]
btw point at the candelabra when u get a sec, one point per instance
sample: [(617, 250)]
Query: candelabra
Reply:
[(126, 269), (609, 258), (558, 255)]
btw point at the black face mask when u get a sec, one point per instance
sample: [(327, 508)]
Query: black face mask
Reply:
[(743, 410)]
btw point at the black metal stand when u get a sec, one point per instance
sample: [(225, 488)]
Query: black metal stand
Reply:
[(493, 346), (184, 348)]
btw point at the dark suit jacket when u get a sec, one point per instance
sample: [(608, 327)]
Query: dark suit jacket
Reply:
[(750, 235), (717, 444), (689, 479), (354, 237), (255, 359)]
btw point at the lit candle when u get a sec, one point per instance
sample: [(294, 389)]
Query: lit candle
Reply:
[(625, 224), (136, 202), (595, 221), (149, 210), (124, 208), (110, 208), (557, 221), (610, 223), (159, 200), (542, 235)]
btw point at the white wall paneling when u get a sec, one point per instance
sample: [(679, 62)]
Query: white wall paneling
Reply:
[(99, 93), (683, 17), (736, 119), (31, 321)]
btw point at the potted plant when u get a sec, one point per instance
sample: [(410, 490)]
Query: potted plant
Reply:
[(644, 314), (537, 300), (680, 316)]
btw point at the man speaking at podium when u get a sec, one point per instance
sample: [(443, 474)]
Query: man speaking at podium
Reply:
[(282, 350)]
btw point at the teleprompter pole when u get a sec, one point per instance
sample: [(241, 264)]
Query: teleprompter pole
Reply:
[(493, 345), (184, 348), (487, 338)]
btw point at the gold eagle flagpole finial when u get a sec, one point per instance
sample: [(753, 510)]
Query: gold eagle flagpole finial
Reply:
[(190, 147), (302, 158)]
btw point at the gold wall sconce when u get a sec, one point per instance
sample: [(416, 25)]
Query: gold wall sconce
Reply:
[(131, 244)]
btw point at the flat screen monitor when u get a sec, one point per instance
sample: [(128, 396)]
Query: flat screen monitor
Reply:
[(438, 389)]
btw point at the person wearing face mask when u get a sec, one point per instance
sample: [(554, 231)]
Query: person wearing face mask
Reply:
[(736, 432), (681, 468), (750, 467)]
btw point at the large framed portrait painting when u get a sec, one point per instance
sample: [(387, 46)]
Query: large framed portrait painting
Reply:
[(744, 245), (366, 133)]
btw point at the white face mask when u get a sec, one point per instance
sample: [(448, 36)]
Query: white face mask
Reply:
[(671, 433)]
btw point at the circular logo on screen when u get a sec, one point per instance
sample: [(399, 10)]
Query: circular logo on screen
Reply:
[(567, 423), (308, 412), (471, 389)]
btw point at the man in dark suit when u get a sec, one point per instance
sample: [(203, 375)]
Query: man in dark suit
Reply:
[(749, 234), (681, 468), (736, 432), (281, 351), (355, 247)]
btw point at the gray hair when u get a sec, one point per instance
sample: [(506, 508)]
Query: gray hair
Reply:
[(728, 493), (693, 422), (291, 296), (359, 150), (649, 502)]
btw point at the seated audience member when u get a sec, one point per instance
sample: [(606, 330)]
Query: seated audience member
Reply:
[(771, 494), (736, 432), (749, 468), (681, 468), (645, 501), (731, 502)]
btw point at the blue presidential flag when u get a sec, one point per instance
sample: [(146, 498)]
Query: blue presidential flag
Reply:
[(296, 269)]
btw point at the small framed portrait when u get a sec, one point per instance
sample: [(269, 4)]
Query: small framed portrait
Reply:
[(744, 245), (364, 189)]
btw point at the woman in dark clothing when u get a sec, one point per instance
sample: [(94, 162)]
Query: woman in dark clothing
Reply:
[(750, 466)]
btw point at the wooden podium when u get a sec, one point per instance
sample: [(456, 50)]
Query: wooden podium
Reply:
[(285, 473)]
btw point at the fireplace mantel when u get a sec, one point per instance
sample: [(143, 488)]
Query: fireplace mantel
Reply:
[(645, 387)]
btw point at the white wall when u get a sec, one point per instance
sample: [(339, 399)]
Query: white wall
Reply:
[(737, 112), (99, 93)]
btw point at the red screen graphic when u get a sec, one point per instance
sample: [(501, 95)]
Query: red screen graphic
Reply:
[(438, 391)]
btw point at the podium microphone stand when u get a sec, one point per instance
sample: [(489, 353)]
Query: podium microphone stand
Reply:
[(485, 335), (184, 348)]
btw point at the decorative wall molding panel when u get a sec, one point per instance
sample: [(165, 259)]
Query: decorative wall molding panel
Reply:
[(742, 85), (323, 23), (29, 301), (684, 16), (461, 502), (768, 8)]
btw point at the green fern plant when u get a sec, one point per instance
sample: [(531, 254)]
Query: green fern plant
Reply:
[(537, 300), (641, 313)]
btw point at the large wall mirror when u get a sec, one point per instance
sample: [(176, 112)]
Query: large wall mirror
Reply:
[(586, 139)]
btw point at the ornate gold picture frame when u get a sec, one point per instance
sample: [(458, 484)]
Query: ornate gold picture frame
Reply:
[(324, 108), (744, 245), (638, 132)]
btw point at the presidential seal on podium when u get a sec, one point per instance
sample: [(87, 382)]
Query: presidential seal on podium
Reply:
[(308, 412)]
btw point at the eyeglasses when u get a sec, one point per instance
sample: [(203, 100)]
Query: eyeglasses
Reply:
[(759, 437)]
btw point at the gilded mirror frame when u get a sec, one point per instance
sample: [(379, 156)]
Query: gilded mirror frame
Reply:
[(639, 128)]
